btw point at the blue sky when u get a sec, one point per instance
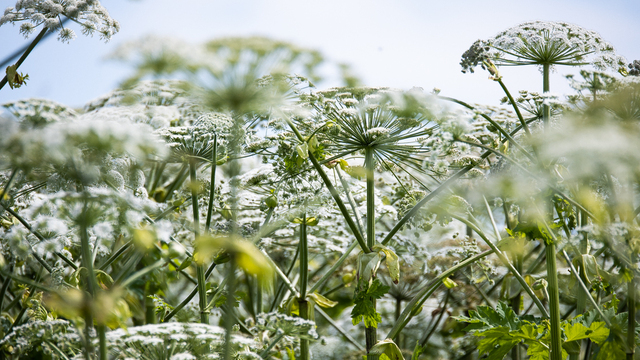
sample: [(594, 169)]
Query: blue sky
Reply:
[(396, 43)]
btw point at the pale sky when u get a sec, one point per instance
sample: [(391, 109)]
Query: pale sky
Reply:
[(398, 43)]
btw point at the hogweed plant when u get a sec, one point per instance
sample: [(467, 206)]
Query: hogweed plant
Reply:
[(212, 207)]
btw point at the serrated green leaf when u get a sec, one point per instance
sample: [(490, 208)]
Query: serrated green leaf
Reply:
[(611, 350), (364, 311), (597, 332)]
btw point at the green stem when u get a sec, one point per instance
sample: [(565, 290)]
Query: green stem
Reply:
[(352, 202), (212, 187), (431, 287), (371, 206), (265, 353), (518, 165), (515, 107), (304, 274), (502, 257), (92, 284), (425, 340), (371, 335), (333, 267), (35, 42), (5, 286), (631, 324), (334, 193), (511, 140), (546, 110), (338, 328), (202, 283), (554, 303), (191, 295), (229, 314)]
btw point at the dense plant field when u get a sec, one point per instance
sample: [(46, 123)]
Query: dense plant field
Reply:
[(219, 206)]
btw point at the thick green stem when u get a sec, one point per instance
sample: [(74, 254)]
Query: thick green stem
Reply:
[(304, 274), (229, 318), (546, 110), (369, 164), (304, 343), (304, 258), (371, 205), (631, 324), (202, 282), (92, 286), (554, 303)]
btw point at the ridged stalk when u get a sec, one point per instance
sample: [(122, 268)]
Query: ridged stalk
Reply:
[(581, 303), (229, 318), (304, 278), (92, 287), (554, 303), (200, 270), (371, 335), (631, 324), (546, 110)]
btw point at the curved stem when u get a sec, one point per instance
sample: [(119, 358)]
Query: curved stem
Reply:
[(516, 108), (496, 125), (431, 287)]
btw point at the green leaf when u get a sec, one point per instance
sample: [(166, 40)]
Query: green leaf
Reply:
[(392, 261), (611, 350), (417, 351), (368, 265), (14, 78), (185, 264), (597, 332), (303, 150), (387, 347), (321, 300), (364, 311), (450, 284)]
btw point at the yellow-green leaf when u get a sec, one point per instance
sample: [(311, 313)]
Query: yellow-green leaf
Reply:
[(321, 300), (303, 150), (450, 284), (392, 261)]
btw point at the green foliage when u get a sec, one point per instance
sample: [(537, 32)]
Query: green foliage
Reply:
[(365, 294), (501, 329)]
